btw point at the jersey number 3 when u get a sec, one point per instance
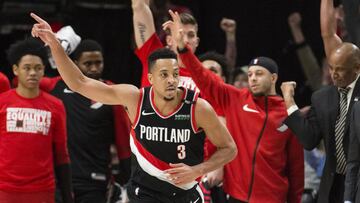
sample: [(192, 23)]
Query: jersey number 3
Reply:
[(181, 151)]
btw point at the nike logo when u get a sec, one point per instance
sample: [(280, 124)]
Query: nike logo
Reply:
[(246, 108), (137, 191), (67, 91), (147, 113), (96, 105), (195, 200)]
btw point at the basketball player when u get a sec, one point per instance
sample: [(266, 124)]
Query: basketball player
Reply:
[(168, 125)]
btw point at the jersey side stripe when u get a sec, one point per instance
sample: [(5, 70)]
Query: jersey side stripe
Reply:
[(152, 165)]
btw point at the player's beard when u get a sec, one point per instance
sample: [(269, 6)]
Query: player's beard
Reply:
[(169, 99), (265, 90)]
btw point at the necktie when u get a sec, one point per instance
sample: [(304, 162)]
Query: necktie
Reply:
[(339, 132)]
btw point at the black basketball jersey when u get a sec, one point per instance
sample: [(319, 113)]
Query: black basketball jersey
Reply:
[(158, 140), (90, 127)]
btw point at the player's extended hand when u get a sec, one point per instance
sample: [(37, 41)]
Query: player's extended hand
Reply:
[(42, 30), (176, 28), (288, 89), (228, 25), (294, 20), (181, 174)]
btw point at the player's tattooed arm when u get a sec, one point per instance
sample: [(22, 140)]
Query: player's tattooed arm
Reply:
[(143, 20), (142, 30)]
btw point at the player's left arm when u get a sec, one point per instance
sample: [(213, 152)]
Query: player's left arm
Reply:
[(218, 134)]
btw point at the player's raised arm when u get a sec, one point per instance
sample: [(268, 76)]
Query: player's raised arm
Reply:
[(123, 94), (143, 21), (328, 27)]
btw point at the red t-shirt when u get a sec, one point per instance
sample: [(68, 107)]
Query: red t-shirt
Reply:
[(32, 138), (4, 83)]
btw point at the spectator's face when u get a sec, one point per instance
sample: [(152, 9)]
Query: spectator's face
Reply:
[(260, 80), (241, 81), (91, 63), (29, 71), (190, 38), (214, 67), (342, 69), (164, 78)]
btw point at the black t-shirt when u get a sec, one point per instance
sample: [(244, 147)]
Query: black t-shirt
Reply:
[(90, 132)]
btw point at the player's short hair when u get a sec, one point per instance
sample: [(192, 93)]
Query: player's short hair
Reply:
[(186, 19), (219, 58), (162, 53), (29, 46), (85, 46)]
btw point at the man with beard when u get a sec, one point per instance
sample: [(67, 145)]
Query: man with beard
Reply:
[(92, 128), (168, 125), (270, 165)]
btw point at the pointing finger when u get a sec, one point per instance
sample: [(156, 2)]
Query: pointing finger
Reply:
[(37, 18)]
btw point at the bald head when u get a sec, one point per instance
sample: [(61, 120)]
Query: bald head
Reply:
[(344, 64), (346, 51)]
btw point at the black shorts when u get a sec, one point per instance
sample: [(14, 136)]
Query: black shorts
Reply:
[(140, 194)]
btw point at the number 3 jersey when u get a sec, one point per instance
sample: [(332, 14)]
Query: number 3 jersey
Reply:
[(157, 140)]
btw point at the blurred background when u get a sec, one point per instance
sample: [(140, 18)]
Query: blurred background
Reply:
[(262, 30)]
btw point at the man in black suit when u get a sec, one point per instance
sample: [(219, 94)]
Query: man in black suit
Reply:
[(353, 162), (329, 114)]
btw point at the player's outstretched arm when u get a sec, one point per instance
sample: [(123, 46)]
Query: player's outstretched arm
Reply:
[(123, 94)]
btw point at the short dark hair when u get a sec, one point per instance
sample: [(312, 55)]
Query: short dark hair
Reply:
[(186, 19), (85, 46), (219, 58), (29, 46), (162, 53)]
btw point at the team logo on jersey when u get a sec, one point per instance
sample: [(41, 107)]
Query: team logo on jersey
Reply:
[(182, 117), (282, 128), (28, 120), (246, 108)]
